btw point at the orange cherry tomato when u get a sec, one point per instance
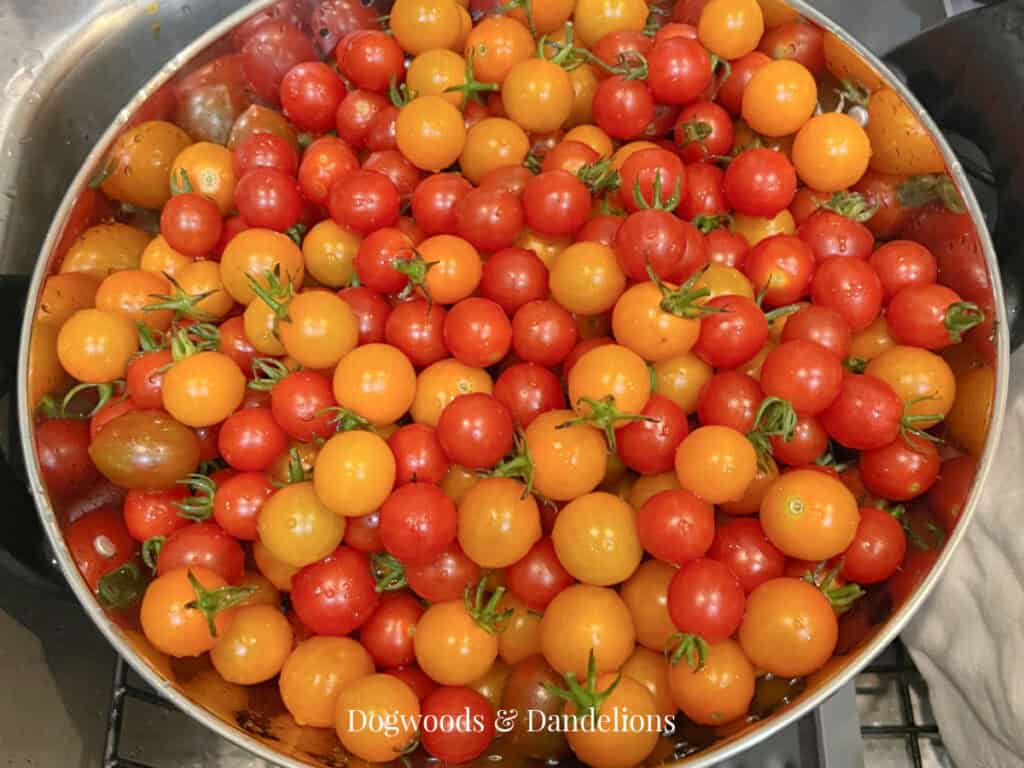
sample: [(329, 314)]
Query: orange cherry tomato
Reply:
[(354, 473), (105, 248), (95, 346), (831, 152), (377, 699), (640, 324), (567, 462), (780, 98), (129, 292), (320, 329), (203, 278), (922, 379), (65, 294), (596, 18), (609, 371), (716, 463), (203, 389), (497, 44), (256, 253), (646, 595), (158, 256), (498, 522), (140, 164), (846, 64), (585, 618), (421, 25), (789, 628), (731, 28), (457, 270), (872, 341), (755, 228), (330, 252), (430, 133), (296, 527), (492, 143), (586, 278), (596, 541), (210, 169), (538, 95), (376, 381), (440, 383), (316, 672), (681, 379), (968, 420), (647, 486), (900, 143), (278, 573), (809, 515), (720, 691), (593, 137), (254, 647)]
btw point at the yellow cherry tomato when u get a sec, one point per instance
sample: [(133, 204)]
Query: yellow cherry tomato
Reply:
[(320, 329), (296, 527), (421, 25), (872, 341), (440, 383), (130, 292), (623, 153), (593, 137), (718, 692), (568, 461), (646, 595), (716, 463), (521, 636), (498, 522), (376, 699), (651, 670), (900, 144), (265, 593), (622, 744), (433, 72), (596, 540), (831, 152), (647, 486), (158, 256), (777, 13), (584, 85), (95, 346), (756, 228), (846, 64), (105, 248), (65, 294), (968, 420), (596, 18), (203, 389), (255, 646), (611, 371), (780, 98), (721, 280), (497, 44), (140, 164), (203, 277), (922, 379), (809, 515), (261, 324), (681, 378), (750, 503), (587, 279), (456, 271), (452, 646), (465, 26), (45, 374), (354, 473), (376, 381), (639, 323), (492, 143), (277, 573), (538, 95), (210, 169), (255, 254), (731, 28), (546, 247), (585, 618), (430, 133), (315, 674), (330, 252)]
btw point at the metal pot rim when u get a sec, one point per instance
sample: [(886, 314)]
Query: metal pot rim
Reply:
[(704, 759)]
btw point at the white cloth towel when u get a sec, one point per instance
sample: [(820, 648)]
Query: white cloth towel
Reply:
[(968, 640)]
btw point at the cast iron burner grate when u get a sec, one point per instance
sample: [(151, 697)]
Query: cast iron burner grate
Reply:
[(897, 727)]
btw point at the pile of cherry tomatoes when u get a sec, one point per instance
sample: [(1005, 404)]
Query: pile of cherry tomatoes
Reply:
[(571, 356)]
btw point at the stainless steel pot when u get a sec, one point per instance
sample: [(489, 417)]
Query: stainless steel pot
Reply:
[(253, 718)]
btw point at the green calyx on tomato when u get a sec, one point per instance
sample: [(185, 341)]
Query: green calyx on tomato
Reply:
[(414, 268), (151, 551), (388, 572), (201, 337), (599, 176), (471, 88), (122, 587), (527, 8), (296, 232), (297, 472), (961, 317), (855, 364), (519, 465), (706, 223), (918, 191), (604, 415), (150, 340), (682, 301), (853, 92), (852, 205), (345, 419), (586, 698), (276, 294), (181, 184), (775, 418), (483, 608), (840, 596), (683, 645), (182, 304), (657, 202), (267, 372), (63, 410), (400, 95), (899, 512), (908, 420), (210, 602), (199, 505)]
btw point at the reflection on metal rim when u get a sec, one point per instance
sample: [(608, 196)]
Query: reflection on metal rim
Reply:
[(704, 759)]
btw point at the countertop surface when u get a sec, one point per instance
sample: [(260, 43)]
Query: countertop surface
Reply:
[(55, 668)]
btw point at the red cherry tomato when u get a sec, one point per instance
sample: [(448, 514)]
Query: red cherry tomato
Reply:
[(865, 416), (99, 543), (821, 325), (676, 526), (902, 470), (733, 334), (538, 576), (528, 390), (900, 263), (475, 430), (490, 218), (543, 333), (877, 549), (310, 95), (730, 399), (477, 332), (465, 724), (419, 456), (760, 182), (744, 548), (445, 578), (555, 203), (251, 439), (364, 201), (299, 403), (387, 634), (371, 310), (851, 287), (805, 374), (705, 599), (417, 329), (238, 501), (829, 234), (205, 545), (336, 595)]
